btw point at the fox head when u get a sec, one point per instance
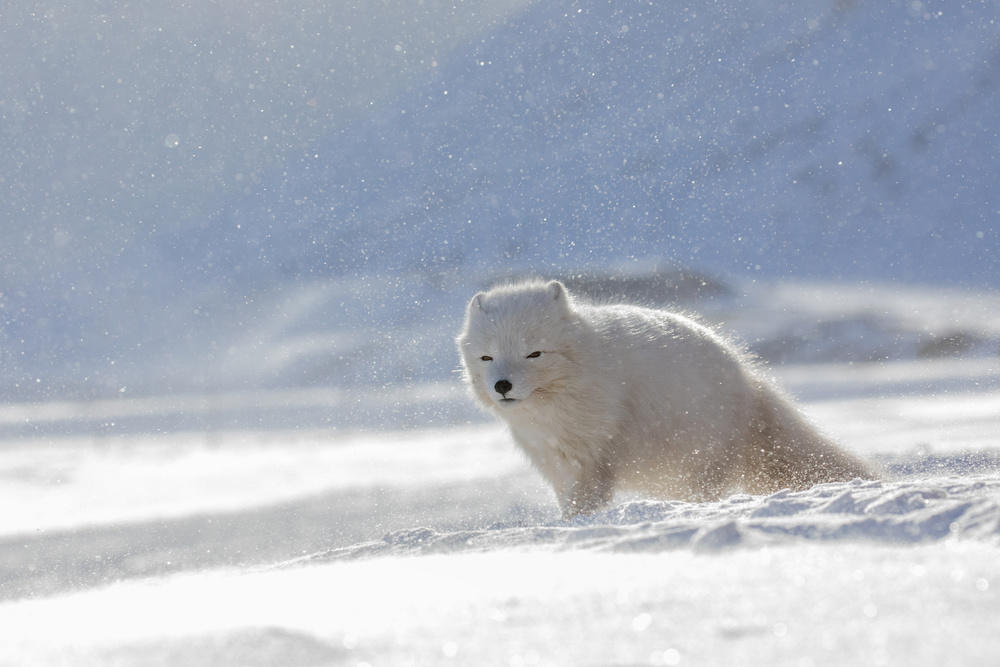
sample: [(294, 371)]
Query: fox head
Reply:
[(516, 344)]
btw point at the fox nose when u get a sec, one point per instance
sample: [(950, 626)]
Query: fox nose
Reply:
[(502, 387)]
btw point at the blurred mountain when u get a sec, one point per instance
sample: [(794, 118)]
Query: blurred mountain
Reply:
[(125, 121), (125, 125), (819, 139), (241, 169)]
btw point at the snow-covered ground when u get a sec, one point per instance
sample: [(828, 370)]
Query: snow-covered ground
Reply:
[(438, 545)]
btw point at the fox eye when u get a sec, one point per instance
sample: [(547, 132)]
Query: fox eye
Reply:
[(486, 357), (534, 355)]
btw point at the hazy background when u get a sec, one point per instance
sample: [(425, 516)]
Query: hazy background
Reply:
[(223, 196)]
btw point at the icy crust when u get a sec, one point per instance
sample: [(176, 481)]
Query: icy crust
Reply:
[(886, 513)]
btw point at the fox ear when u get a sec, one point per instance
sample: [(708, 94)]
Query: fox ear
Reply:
[(476, 305), (557, 290)]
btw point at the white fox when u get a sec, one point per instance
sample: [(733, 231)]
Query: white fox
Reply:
[(606, 397)]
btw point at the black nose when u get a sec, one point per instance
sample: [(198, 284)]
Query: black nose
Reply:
[(503, 386)]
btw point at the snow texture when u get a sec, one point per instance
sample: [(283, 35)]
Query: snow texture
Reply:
[(879, 512), (430, 546)]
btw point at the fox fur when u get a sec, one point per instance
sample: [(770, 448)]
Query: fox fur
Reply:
[(609, 397)]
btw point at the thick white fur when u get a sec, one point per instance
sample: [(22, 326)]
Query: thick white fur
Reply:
[(622, 397)]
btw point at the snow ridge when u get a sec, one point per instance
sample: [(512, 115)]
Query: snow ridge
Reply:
[(887, 513)]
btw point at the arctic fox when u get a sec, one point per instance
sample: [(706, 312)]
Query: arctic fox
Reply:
[(606, 397)]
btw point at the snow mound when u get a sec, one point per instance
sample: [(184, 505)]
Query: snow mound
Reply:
[(441, 545), (887, 513)]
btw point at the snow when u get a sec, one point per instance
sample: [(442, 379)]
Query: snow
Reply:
[(71, 483), (437, 545), (780, 606)]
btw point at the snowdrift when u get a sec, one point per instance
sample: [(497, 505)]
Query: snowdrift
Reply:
[(435, 546)]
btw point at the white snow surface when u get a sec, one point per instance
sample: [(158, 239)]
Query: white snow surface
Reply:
[(439, 545)]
